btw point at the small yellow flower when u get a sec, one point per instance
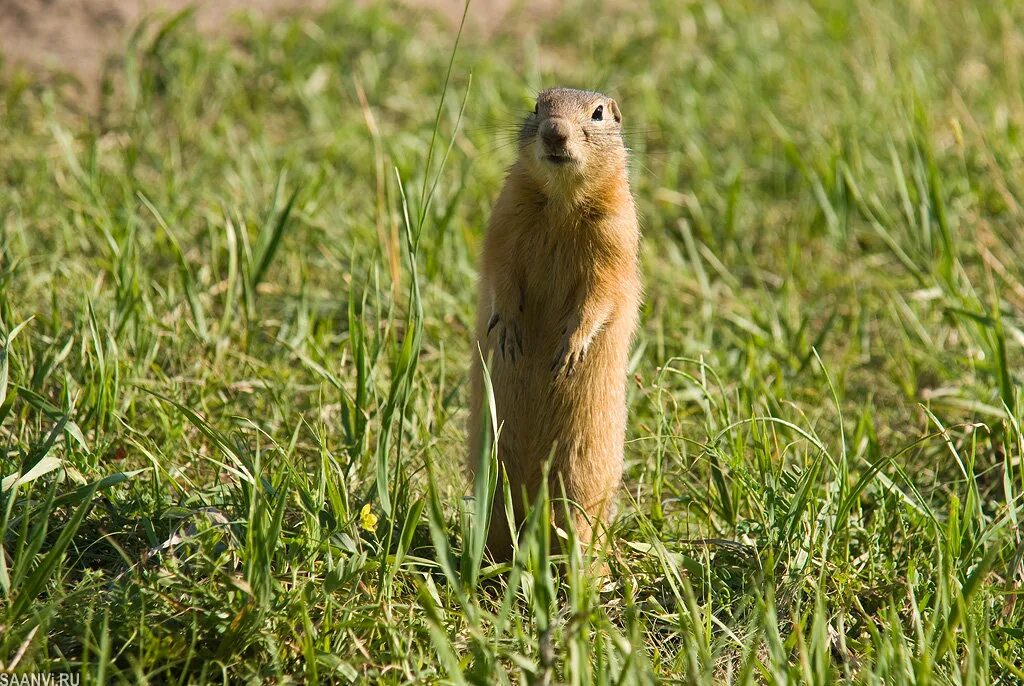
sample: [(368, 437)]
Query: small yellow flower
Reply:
[(367, 520), (958, 132)]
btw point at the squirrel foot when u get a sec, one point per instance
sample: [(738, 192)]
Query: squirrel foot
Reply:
[(571, 352), (510, 336)]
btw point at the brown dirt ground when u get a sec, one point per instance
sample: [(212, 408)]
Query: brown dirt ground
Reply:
[(75, 37)]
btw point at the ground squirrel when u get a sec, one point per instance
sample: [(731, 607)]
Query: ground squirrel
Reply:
[(559, 294)]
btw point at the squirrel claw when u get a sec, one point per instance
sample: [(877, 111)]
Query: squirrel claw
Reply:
[(510, 337), (567, 359)]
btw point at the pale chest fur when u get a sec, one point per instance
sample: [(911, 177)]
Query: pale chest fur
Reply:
[(566, 260), (555, 273)]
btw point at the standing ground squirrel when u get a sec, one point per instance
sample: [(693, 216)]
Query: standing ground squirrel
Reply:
[(559, 294)]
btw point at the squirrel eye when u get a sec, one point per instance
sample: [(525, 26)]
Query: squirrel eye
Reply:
[(536, 108), (598, 114)]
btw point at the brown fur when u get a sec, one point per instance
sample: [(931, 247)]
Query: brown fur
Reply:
[(559, 293)]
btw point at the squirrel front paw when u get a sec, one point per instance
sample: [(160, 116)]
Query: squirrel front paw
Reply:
[(510, 335), (570, 353)]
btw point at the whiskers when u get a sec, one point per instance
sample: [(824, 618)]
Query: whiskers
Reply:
[(498, 133), (511, 147), (502, 120), (501, 134), (642, 143)]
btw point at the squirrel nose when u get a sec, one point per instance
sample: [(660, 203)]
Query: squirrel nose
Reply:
[(554, 133)]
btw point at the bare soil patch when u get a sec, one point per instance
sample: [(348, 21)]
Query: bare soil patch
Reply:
[(76, 37)]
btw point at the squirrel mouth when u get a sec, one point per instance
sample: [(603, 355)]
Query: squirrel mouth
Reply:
[(559, 158)]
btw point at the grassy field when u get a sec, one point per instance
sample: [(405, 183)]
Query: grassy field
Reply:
[(235, 313)]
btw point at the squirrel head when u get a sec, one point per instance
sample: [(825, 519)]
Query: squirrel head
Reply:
[(572, 142)]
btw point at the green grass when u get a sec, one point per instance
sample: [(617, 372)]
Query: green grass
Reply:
[(236, 306)]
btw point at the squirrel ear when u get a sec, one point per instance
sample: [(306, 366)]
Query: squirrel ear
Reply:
[(615, 111)]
